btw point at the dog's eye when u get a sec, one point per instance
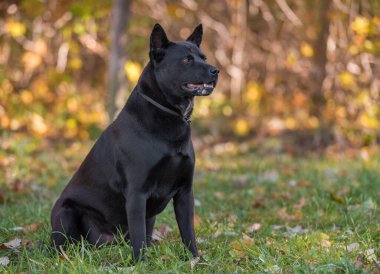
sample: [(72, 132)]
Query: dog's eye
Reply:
[(204, 58), (187, 59)]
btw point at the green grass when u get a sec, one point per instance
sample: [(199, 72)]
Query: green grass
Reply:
[(310, 210)]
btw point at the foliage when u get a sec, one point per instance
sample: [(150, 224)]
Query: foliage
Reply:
[(259, 206), (51, 62), (53, 65), (271, 214)]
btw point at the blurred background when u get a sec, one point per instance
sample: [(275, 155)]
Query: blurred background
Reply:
[(304, 71)]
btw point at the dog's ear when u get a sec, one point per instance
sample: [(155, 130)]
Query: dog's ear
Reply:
[(196, 36), (158, 43)]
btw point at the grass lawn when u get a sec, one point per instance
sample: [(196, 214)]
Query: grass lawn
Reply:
[(256, 211)]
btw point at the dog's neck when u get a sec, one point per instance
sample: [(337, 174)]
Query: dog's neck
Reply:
[(149, 88)]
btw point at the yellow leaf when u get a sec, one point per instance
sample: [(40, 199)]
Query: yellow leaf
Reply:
[(353, 49), (38, 124), (361, 25), (371, 255), (248, 241), (369, 46), (291, 59), (133, 71), (241, 127), (368, 121), (227, 111), (84, 135), (313, 122), (72, 105), (15, 124), (40, 47), (71, 123), (15, 28), (236, 245), (75, 63), (290, 123), (239, 245), (307, 50), (197, 221), (31, 60), (26, 97), (254, 91), (40, 88), (5, 122), (347, 80)]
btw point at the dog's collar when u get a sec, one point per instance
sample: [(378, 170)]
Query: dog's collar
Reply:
[(163, 108)]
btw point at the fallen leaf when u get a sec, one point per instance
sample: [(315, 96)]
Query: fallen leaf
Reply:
[(248, 241), (352, 247), (300, 204), (232, 218), (283, 214), (18, 229), (26, 242), (295, 230), (359, 260), (165, 229), (241, 181), (369, 204), (282, 252), (197, 203), (219, 195), (370, 255), (13, 243), (165, 257), (335, 197), (32, 227), (273, 269), (4, 261), (325, 243), (193, 262), (200, 240), (197, 221), (237, 250), (159, 234), (270, 176), (292, 183), (19, 186), (345, 190), (254, 227), (259, 201), (156, 236), (336, 229)]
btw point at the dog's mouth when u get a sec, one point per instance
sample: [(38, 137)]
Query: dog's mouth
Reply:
[(202, 89)]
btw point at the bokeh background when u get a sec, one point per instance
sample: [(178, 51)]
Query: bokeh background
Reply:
[(305, 71), (288, 168)]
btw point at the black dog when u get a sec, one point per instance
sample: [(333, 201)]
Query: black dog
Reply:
[(144, 158)]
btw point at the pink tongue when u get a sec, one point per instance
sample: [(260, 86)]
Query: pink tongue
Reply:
[(194, 85)]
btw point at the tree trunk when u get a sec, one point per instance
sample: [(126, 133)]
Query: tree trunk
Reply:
[(120, 17), (319, 72)]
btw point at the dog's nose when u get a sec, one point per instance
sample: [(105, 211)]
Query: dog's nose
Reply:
[(214, 71)]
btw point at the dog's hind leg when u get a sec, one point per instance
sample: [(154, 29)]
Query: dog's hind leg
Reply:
[(92, 233), (65, 227)]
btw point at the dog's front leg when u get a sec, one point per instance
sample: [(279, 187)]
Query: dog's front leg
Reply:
[(184, 212), (135, 207)]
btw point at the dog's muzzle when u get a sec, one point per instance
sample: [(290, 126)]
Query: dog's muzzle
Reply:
[(202, 89)]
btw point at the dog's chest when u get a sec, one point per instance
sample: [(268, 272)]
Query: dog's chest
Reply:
[(170, 174)]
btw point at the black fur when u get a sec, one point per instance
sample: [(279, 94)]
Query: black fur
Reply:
[(144, 158)]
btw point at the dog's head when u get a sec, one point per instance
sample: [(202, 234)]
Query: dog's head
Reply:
[(180, 68)]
